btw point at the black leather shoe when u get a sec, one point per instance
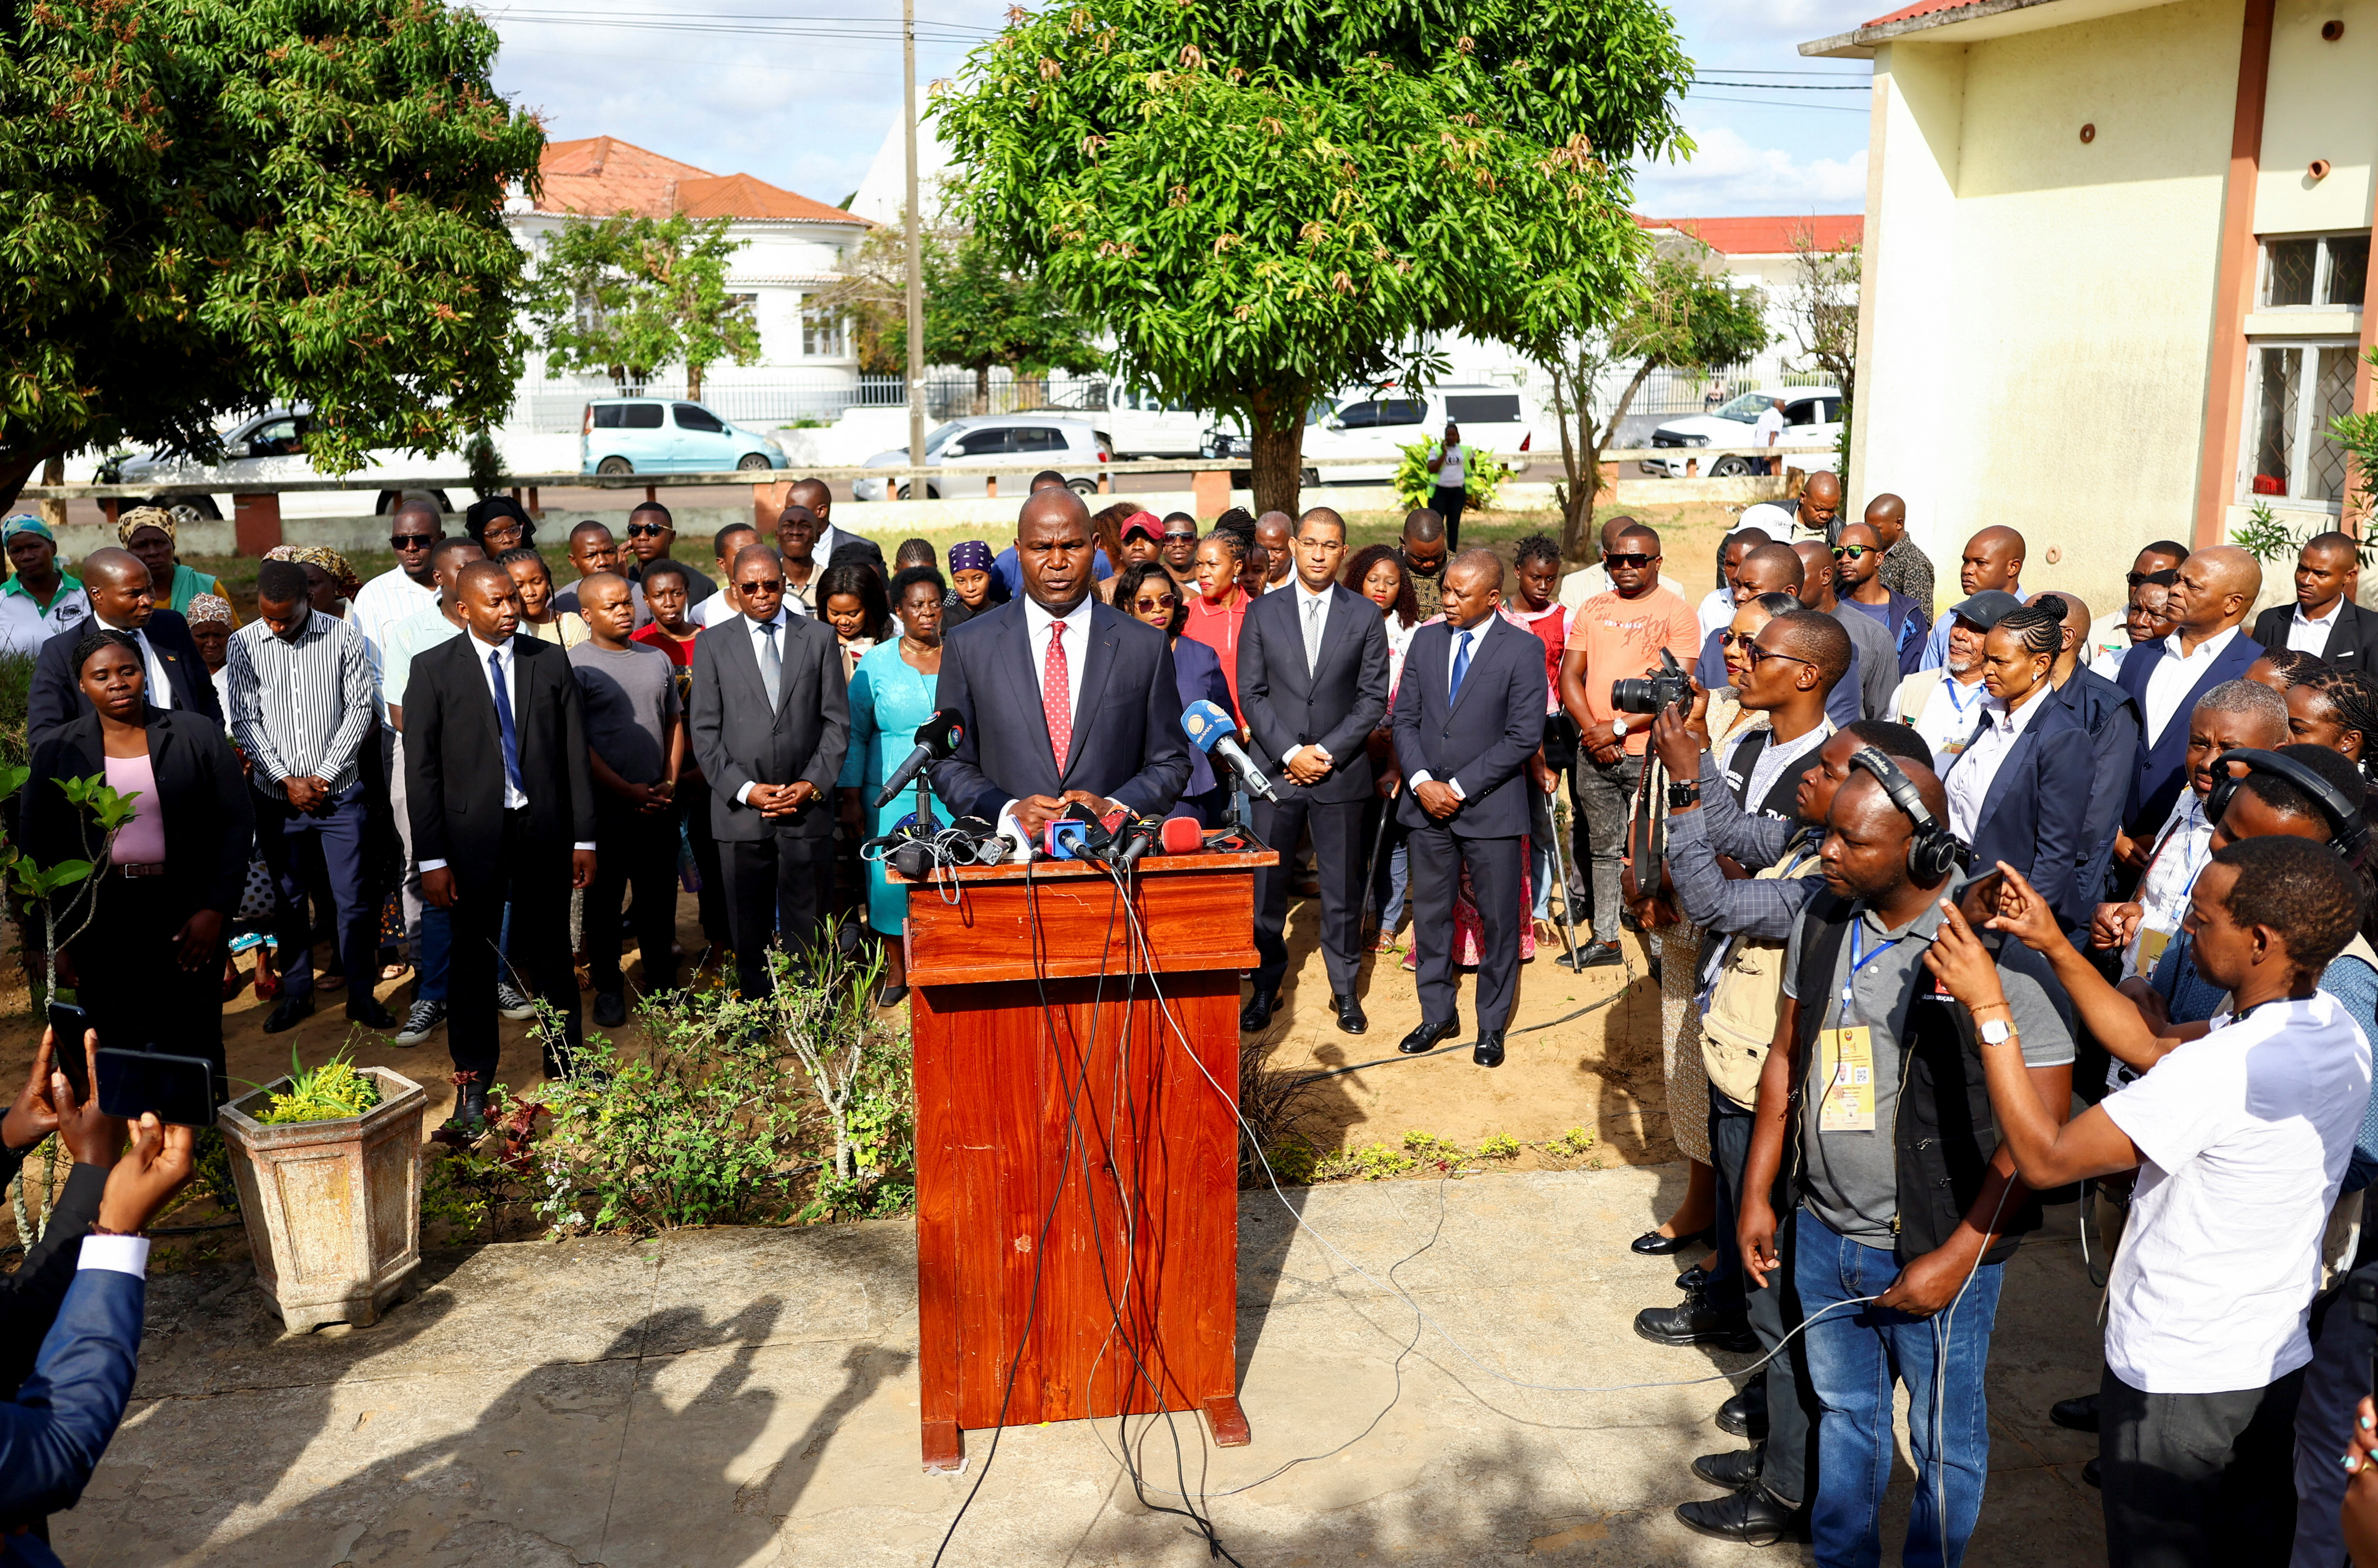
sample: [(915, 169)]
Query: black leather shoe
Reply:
[(1694, 1322), (2078, 1414), (1747, 1518), (1692, 1278), (610, 1008), (367, 1011), (2089, 1473), (1425, 1038), (1255, 1017), (1488, 1051), (1350, 1014), (1735, 1470), (291, 1010), (1597, 955), (1744, 1415), (1651, 1244)]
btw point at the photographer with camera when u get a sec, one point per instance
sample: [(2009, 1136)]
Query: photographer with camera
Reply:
[(1615, 636)]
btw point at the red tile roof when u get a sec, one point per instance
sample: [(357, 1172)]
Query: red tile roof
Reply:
[(601, 176), (1922, 8), (1765, 236)]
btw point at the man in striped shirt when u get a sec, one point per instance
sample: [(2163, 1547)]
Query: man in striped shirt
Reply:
[(302, 701)]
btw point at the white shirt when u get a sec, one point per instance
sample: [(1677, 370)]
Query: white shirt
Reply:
[(2181, 848), (760, 640), (2110, 664), (1949, 716), (67, 612), (2308, 636), (2176, 675), (23, 626), (1778, 754), (1969, 782), (161, 691), (1716, 611), (506, 669), (1767, 428), (1305, 600), (1038, 620), (1477, 635), (1450, 474), (2245, 1136), (387, 599)]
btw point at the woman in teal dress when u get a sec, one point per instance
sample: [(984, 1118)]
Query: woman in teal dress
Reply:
[(892, 693)]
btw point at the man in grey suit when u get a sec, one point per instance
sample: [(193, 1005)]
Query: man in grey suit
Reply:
[(1469, 714), (771, 722), (1313, 684)]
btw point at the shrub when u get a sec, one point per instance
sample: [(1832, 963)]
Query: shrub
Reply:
[(329, 1093), (1481, 483)]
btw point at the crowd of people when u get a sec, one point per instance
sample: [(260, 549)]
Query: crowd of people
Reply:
[(1948, 916)]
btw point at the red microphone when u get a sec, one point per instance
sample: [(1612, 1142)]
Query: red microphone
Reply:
[(1181, 835)]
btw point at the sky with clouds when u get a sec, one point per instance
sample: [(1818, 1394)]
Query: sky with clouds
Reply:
[(801, 93)]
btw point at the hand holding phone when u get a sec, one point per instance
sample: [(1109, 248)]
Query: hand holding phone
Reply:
[(68, 1024), (178, 1089), (156, 1167)]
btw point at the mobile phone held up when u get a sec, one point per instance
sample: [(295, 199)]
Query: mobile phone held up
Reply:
[(180, 1089), (68, 1025)]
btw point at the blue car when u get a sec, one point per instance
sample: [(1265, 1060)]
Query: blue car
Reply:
[(668, 435)]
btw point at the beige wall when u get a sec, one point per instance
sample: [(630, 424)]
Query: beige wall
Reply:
[(2037, 311), (2323, 103)]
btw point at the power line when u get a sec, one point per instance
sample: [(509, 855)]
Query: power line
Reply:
[(1782, 86), (1779, 104)]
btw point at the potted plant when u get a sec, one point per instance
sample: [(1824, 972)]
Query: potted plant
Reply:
[(327, 1164)]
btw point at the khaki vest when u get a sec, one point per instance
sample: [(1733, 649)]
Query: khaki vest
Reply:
[(1745, 1003)]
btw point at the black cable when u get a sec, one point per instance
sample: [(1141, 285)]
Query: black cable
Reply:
[(1457, 1050)]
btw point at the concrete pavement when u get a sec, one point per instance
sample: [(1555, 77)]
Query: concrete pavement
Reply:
[(748, 1397)]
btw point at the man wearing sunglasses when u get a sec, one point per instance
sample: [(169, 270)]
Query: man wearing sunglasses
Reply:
[(2159, 563), (411, 587), (652, 532), (1179, 550), (1876, 670), (1858, 580)]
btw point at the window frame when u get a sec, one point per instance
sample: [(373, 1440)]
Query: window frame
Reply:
[(2309, 422), (2322, 275)]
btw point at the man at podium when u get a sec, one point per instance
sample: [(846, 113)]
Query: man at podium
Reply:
[(1064, 700)]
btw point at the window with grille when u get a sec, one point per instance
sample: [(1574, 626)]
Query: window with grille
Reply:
[(2316, 273), (2297, 389)]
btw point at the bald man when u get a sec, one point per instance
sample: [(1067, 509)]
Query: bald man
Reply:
[(2215, 590), (832, 541), (1816, 515), (1993, 559), (1584, 583), (1905, 568)]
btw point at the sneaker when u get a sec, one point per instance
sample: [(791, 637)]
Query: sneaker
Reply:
[(420, 1023), (512, 1004)]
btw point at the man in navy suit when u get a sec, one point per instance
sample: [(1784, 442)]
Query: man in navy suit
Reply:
[(2016, 790), (2324, 620), (2216, 587), (1065, 700), (1313, 684), (1469, 714), (2107, 711), (122, 598)]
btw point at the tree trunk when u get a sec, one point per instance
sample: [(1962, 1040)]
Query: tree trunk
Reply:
[(1278, 439), (694, 382), (1575, 418), (55, 472), (981, 390)]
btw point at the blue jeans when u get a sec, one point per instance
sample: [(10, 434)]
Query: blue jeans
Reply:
[(1854, 1356)]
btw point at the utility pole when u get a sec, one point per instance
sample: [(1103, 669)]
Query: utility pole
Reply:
[(916, 258)]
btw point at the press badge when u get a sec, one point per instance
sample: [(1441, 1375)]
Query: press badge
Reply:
[(1848, 1105), (2151, 949)]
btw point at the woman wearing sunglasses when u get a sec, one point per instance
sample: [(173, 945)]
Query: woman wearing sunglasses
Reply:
[(1145, 591)]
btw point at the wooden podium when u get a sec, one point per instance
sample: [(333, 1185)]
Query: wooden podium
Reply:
[(1064, 1130)]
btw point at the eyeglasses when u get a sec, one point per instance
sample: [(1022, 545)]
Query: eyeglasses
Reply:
[(1161, 601), (765, 585), (1190, 536), (1761, 656), (646, 530), (1731, 639), (411, 541), (1632, 562), (1854, 551)]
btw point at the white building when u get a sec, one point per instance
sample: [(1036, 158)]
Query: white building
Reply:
[(794, 246)]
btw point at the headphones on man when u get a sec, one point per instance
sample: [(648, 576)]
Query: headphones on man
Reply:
[(1932, 850), (2346, 828)]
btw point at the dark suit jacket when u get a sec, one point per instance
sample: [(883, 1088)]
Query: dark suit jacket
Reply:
[(2107, 711), (1334, 706), (1127, 741), (54, 1433), (2352, 642), (454, 757), (2162, 766), (740, 740), (1197, 672), (209, 818), (840, 546), (2031, 818), (30, 1297), (56, 697), (1481, 740)]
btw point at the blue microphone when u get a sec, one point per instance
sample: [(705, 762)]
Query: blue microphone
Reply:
[(1209, 730)]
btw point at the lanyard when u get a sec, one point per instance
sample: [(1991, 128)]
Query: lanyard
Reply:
[(1859, 964)]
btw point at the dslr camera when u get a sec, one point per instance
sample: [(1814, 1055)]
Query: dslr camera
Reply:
[(1649, 694)]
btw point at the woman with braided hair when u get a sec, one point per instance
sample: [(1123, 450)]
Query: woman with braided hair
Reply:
[(2017, 789), (2339, 708)]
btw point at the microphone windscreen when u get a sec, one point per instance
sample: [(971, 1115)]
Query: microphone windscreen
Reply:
[(1205, 722), (1181, 835)]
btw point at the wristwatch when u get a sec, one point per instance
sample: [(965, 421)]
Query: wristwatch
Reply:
[(1996, 1031), (1681, 796)]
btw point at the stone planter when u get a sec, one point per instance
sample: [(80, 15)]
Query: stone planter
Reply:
[(332, 1208)]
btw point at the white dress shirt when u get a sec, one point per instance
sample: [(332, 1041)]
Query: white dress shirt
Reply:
[(390, 597), (1969, 782), (759, 641), (1038, 620), (160, 690), (2176, 675), (1305, 601), (1478, 635), (2306, 635), (1947, 719), (508, 656), (1716, 611)]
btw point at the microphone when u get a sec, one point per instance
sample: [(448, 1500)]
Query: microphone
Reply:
[(1181, 835), (1209, 730), (1142, 838), (1079, 835), (936, 738)]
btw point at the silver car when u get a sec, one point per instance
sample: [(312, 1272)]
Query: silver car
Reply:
[(1025, 442)]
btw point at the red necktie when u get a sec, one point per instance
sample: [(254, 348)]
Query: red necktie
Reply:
[(1055, 703)]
